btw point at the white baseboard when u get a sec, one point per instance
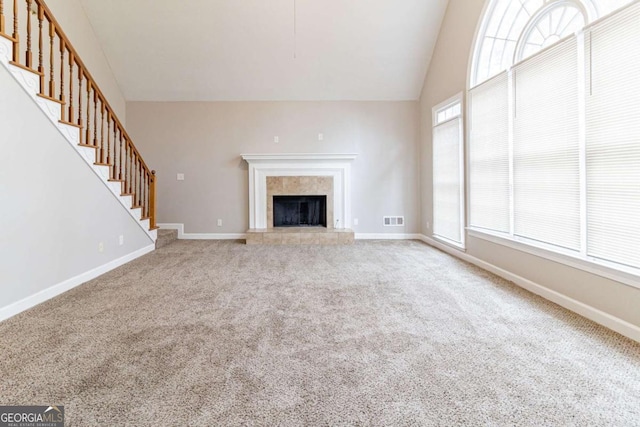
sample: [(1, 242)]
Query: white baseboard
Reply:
[(200, 236), (387, 236), (622, 327), (55, 290)]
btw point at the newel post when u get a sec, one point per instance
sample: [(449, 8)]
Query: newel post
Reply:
[(152, 200)]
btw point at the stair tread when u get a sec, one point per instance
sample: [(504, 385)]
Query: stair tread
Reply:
[(7, 36), (64, 122), (102, 164), (48, 98), (24, 67), (87, 145)]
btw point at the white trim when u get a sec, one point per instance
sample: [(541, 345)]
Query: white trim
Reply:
[(200, 236), (251, 158), (591, 265), (387, 236), (55, 290), (261, 166), (616, 324)]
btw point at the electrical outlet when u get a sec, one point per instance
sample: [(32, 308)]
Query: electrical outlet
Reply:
[(101, 247), (180, 177), (428, 225), (121, 240), (219, 223), (355, 221), (320, 137), (276, 139)]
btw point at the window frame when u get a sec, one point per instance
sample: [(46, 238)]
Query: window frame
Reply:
[(444, 106)]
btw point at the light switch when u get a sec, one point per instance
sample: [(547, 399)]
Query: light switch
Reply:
[(180, 177), (320, 137)]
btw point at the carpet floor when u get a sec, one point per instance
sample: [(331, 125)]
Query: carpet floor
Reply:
[(207, 333)]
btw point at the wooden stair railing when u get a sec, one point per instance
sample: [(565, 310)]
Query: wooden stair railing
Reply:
[(83, 104)]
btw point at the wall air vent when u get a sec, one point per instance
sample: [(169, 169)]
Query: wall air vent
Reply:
[(393, 221)]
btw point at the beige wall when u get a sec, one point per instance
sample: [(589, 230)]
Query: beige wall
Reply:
[(75, 23), (447, 76), (205, 140)]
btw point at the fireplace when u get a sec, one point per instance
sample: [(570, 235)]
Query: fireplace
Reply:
[(299, 174), (300, 211)]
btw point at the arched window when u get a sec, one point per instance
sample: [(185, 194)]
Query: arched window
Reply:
[(516, 29), (553, 132)]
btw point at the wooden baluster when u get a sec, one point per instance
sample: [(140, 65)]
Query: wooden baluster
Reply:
[(138, 181), (87, 133), (105, 143), (145, 180), (123, 152), (29, 55), (125, 170), (16, 36), (40, 48), (71, 61), (80, 79), (146, 192), (62, 49), (52, 85), (130, 168), (102, 159), (114, 138), (116, 174), (2, 16), (152, 200)]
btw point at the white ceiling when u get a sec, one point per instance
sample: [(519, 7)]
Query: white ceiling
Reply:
[(236, 50)]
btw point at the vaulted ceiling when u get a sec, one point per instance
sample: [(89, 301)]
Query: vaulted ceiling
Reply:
[(232, 50)]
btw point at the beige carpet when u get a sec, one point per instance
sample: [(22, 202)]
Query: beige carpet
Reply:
[(204, 333)]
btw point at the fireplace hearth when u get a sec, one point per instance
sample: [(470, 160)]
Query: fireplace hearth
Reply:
[(300, 211)]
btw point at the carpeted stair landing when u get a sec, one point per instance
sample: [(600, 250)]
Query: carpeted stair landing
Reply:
[(166, 237)]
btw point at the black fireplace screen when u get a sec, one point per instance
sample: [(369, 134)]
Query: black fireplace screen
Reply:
[(299, 211)]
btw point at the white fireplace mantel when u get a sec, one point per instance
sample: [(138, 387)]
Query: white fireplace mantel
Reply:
[(337, 166)]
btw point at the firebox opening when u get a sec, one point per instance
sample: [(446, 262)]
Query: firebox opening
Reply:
[(299, 211)]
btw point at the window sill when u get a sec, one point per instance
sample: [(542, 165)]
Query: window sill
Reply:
[(619, 273)]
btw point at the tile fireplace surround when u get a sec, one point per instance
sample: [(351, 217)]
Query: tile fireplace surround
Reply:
[(299, 174)]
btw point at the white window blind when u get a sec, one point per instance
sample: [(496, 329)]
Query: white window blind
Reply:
[(447, 181), (613, 138), (489, 155), (546, 156)]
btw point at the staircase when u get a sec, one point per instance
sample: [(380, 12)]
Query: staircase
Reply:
[(49, 69)]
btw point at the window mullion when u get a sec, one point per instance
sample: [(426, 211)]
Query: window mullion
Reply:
[(582, 129), (512, 114)]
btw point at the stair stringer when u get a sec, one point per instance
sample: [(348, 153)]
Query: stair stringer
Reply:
[(30, 82)]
